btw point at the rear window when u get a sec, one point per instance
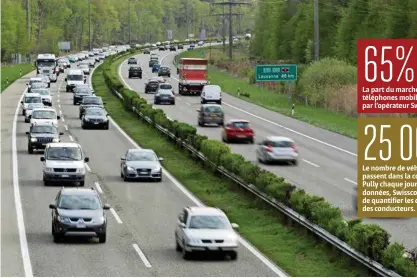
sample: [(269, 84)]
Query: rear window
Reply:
[(213, 109), (165, 86), (240, 124), (281, 144)]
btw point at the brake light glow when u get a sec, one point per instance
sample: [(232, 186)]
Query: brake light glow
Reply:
[(294, 148), (269, 148)]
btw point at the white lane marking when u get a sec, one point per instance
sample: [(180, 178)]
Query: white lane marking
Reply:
[(187, 193), (62, 118), (311, 163), (58, 100), (98, 187), (287, 128), (116, 216), (66, 127), (59, 105), (179, 98), (87, 167), (70, 137), (141, 255), (60, 112), (188, 104), (27, 265), (351, 181)]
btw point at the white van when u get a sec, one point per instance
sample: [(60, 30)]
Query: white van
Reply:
[(28, 99), (74, 77), (63, 162), (211, 93), (44, 115)]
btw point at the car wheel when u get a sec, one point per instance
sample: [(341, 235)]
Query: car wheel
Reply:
[(57, 238), (185, 253), (30, 150), (74, 103), (295, 162), (82, 183), (106, 127), (82, 126), (121, 174), (233, 255), (129, 76), (45, 182), (102, 238), (221, 124), (251, 141), (177, 246), (219, 102), (125, 178), (27, 121)]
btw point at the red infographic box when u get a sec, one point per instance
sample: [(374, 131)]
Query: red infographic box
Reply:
[(387, 70)]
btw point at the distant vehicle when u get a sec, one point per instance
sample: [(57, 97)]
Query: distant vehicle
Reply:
[(45, 78), (161, 48), (238, 130), (46, 115), (78, 211), (37, 85), (95, 117), (101, 57), (135, 71), (46, 61), (172, 48), (155, 67), (80, 92), (164, 96), (180, 46), (85, 67), (164, 71), (151, 86), (29, 110), (30, 98), (205, 229), (210, 114), (139, 164), (40, 135), (211, 93), (146, 51), (153, 61), (74, 77), (90, 101), (132, 61), (33, 80), (248, 36), (200, 43), (277, 149), (45, 95), (165, 86), (192, 76)]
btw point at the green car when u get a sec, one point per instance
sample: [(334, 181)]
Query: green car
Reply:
[(71, 59)]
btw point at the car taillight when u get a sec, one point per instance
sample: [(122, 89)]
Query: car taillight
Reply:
[(53, 71), (269, 148), (294, 148)]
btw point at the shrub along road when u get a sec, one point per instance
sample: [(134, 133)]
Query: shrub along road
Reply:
[(9, 74)]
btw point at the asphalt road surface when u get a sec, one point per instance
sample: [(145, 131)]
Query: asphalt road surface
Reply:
[(140, 235), (328, 165)]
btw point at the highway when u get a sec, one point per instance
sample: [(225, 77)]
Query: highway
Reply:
[(140, 235), (328, 165)]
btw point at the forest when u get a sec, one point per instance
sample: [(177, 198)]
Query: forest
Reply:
[(51, 21)]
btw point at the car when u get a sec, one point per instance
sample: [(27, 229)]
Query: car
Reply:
[(40, 135), (139, 164), (135, 72), (164, 71), (63, 162), (180, 46), (277, 149), (95, 117), (161, 48), (46, 115), (45, 95), (146, 51), (211, 93), (153, 61), (205, 229), (37, 85), (132, 60), (90, 101), (164, 86), (30, 108), (74, 78), (200, 43), (238, 130), (210, 114), (91, 63), (61, 66), (45, 79), (80, 92), (156, 67), (72, 59), (164, 96), (101, 57), (78, 211), (30, 98), (151, 86), (85, 67), (219, 41), (33, 80)]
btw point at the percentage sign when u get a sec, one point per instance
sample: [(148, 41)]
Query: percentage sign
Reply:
[(400, 53)]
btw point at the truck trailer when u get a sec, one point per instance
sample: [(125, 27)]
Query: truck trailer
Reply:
[(192, 76)]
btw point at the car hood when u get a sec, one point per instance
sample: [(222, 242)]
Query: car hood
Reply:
[(82, 94), (95, 118), (143, 164), (211, 234), (64, 163), (80, 213), (48, 135), (90, 105), (46, 121)]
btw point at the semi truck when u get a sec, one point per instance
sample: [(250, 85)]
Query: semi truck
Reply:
[(192, 76)]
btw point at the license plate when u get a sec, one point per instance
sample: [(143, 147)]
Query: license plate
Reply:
[(213, 248), (96, 123), (81, 225), (43, 144), (143, 173), (65, 176)]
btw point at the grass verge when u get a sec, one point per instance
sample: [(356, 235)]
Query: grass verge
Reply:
[(297, 252), (320, 117), (10, 74)]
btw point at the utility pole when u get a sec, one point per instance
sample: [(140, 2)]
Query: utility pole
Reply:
[(89, 25), (130, 27), (28, 19), (230, 14), (316, 31)]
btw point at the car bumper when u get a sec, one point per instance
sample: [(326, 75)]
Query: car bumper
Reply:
[(210, 120), (149, 176), (164, 100), (135, 74), (72, 230), (63, 177), (96, 124), (277, 158), (38, 145), (241, 137), (210, 248)]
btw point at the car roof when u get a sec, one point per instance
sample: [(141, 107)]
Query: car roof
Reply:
[(78, 191), (205, 211), (32, 95), (44, 109), (278, 138), (64, 145), (141, 150)]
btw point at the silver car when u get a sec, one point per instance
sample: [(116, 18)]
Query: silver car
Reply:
[(30, 109), (205, 229), (277, 149), (141, 164), (85, 67)]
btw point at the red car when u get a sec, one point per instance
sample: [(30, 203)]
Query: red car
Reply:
[(238, 130)]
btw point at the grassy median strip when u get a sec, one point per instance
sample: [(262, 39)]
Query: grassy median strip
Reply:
[(274, 101), (296, 252), (10, 74)]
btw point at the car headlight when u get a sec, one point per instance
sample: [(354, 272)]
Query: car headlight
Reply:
[(156, 169), (55, 140), (194, 241), (63, 219), (131, 169), (80, 170), (33, 139), (49, 170), (98, 220)]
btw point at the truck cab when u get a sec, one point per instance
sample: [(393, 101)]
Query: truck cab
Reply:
[(192, 76)]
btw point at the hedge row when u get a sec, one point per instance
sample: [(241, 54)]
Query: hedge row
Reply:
[(369, 239)]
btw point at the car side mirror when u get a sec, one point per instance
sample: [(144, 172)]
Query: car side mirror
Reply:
[(122, 159), (30, 117), (106, 206), (21, 102), (235, 226), (66, 79), (61, 133), (182, 225), (86, 159), (42, 158), (107, 114), (52, 206), (160, 158), (58, 117), (27, 132)]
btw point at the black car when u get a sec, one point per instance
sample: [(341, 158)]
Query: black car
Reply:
[(151, 86), (180, 46), (78, 211), (161, 48), (153, 62), (146, 51), (132, 61), (92, 101), (164, 71), (80, 93), (95, 117), (41, 134), (135, 72), (172, 48), (164, 96)]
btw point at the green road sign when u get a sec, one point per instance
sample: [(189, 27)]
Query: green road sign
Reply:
[(270, 73)]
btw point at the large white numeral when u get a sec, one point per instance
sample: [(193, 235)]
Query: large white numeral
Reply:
[(368, 63), (370, 142), (383, 62), (384, 140), (410, 143)]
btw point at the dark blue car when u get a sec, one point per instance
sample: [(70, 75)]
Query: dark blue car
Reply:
[(156, 67)]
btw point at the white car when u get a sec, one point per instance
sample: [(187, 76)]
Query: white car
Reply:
[(63, 162), (45, 115), (85, 68), (277, 149), (211, 93), (30, 98), (33, 80), (45, 95), (29, 110), (205, 229)]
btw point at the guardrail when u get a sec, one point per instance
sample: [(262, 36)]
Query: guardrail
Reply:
[(372, 265)]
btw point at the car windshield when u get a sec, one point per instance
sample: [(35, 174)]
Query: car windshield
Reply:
[(165, 87), (208, 222), (240, 124), (31, 82), (94, 112), (75, 77), (79, 202), (92, 101), (46, 64), (44, 129), (165, 92), (33, 100), (35, 105), (281, 144), (213, 109), (140, 156), (64, 153), (43, 114)]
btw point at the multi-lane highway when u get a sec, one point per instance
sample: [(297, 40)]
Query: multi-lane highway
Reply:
[(328, 166), (140, 236)]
